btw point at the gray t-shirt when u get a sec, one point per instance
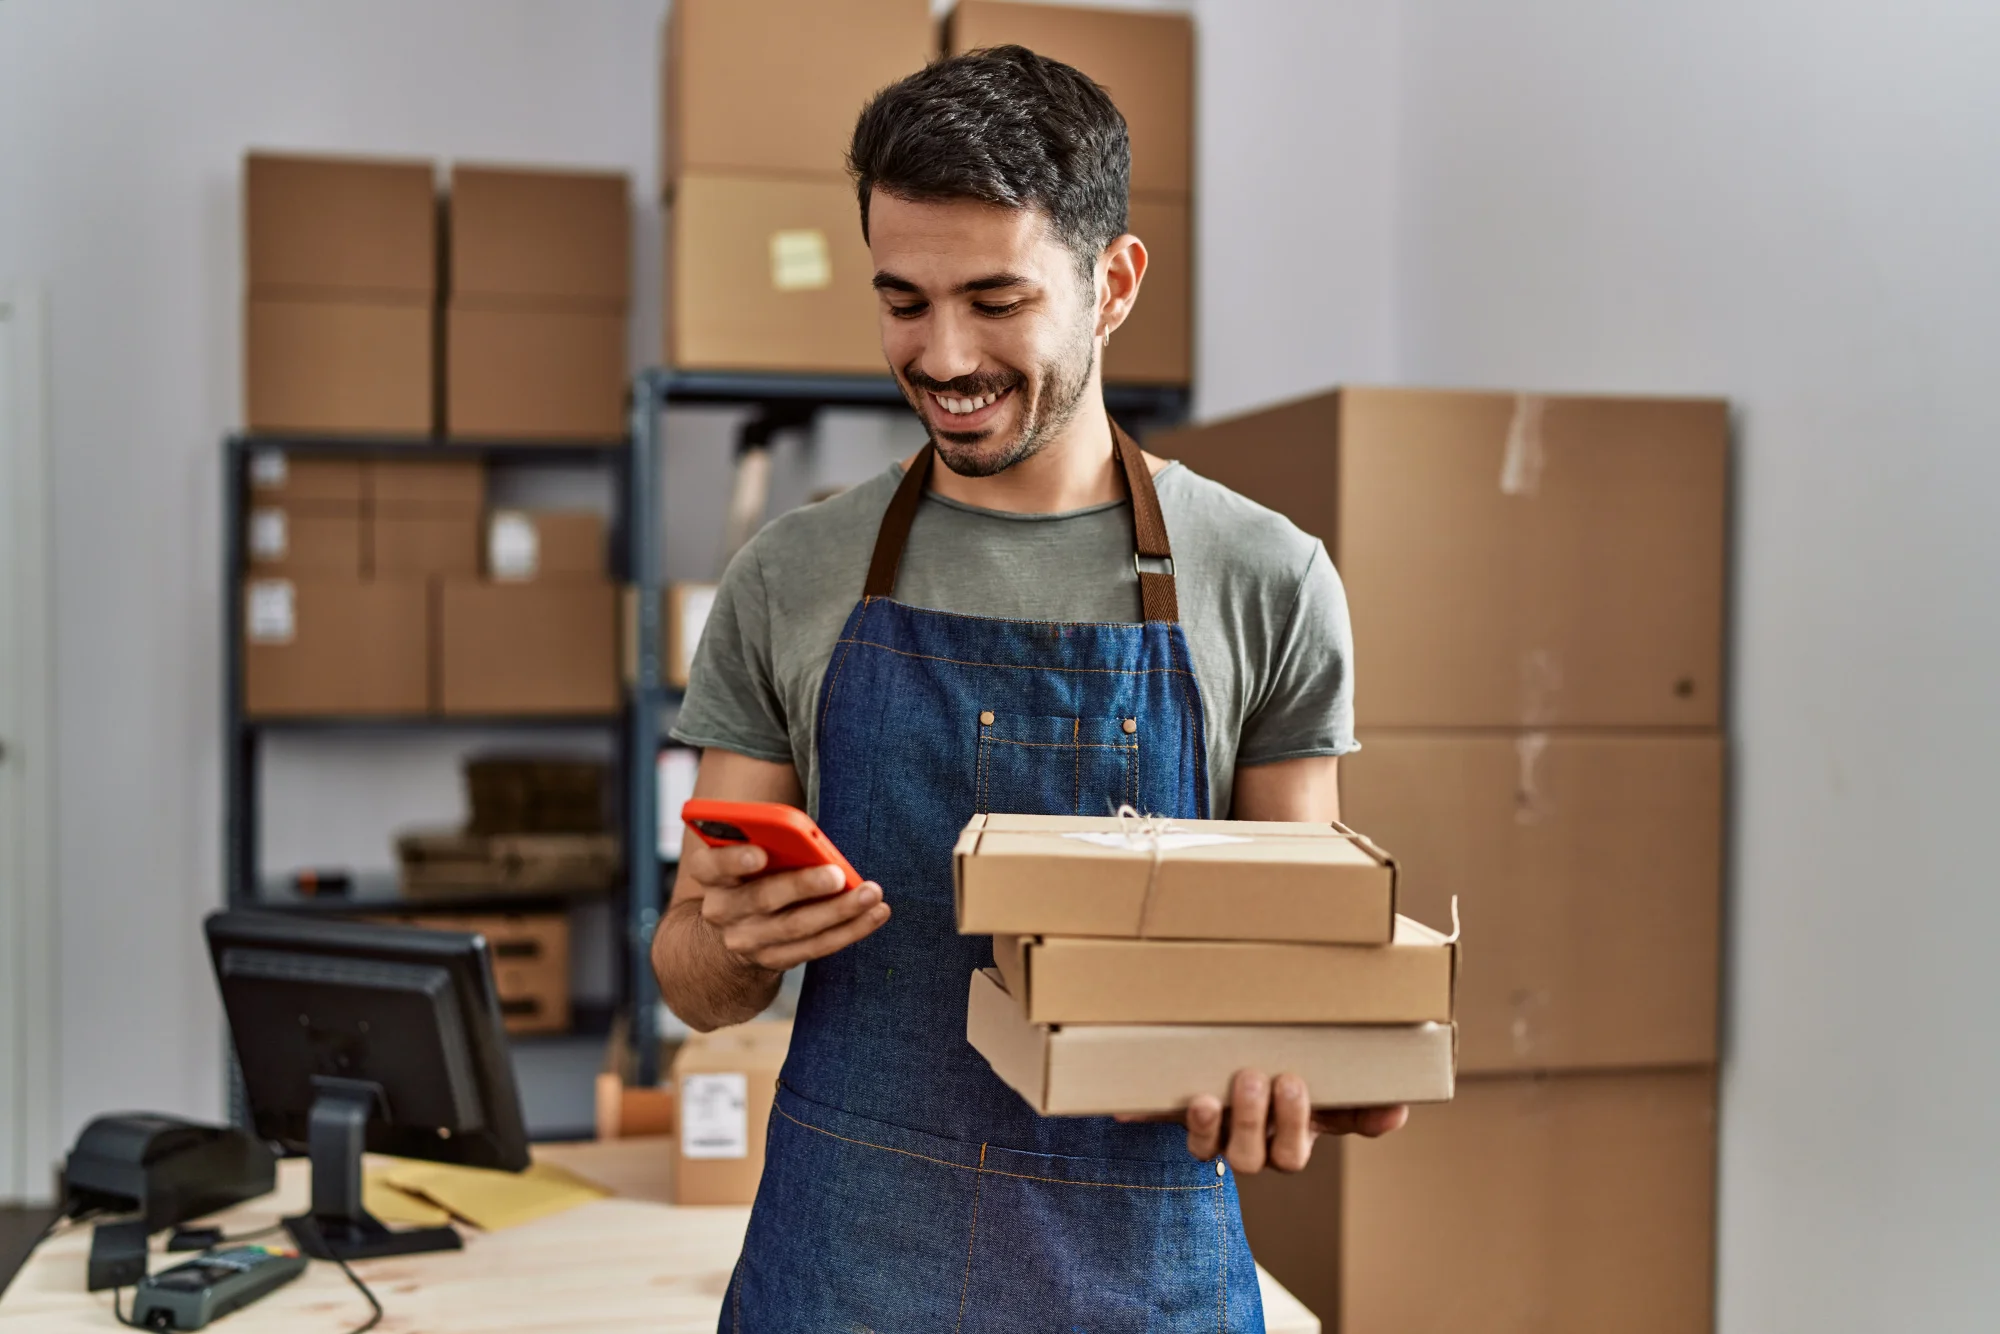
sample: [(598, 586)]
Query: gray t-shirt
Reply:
[(1263, 609)]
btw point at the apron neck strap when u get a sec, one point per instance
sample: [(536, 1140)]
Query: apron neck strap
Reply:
[(1157, 597)]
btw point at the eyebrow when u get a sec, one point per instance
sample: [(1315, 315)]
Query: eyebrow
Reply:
[(889, 282)]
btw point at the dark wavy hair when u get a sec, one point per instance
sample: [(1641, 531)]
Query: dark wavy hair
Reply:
[(1005, 126)]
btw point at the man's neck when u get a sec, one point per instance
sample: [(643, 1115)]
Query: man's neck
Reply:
[(1074, 471)]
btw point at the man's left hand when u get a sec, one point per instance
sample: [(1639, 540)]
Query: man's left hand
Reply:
[(1273, 1121)]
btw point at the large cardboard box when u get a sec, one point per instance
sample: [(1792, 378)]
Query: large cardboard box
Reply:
[(279, 478), (1511, 560), (339, 367), (1098, 980), (422, 544), (769, 274), (1191, 880), (1571, 1204), (534, 374), (775, 86), (1145, 60), (358, 228), (305, 539), (335, 647), (1155, 344), (523, 545), (425, 486), (543, 648), (540, 238), (1095, 1069), (531, 963), (1587, 866), (726, 1082)]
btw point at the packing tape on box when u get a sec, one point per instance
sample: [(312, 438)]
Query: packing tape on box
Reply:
[(1522, 462)]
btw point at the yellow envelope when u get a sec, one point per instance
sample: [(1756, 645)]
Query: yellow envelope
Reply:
[(391, 1205), (491, 1200)]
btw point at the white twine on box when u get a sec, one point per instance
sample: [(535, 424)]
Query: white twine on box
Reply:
[(1147, 831)]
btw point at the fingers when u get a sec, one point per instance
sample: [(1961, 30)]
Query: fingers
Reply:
[(1204, 1126), (778, 958), (768, 895), (1369, 1122), (1249, 1114), (722, 868), (746, 933), (1292, 1129)]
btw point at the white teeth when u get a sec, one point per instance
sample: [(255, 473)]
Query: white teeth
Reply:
[(958, 407)]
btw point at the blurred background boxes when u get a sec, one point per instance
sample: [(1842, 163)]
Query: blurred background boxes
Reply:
[(424, 516), (545, 544), (531, 964), (341, 283), (535, 648), (336, 646), (305, 538)]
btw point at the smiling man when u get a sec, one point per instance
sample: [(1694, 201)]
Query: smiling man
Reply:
[(1029, 615)]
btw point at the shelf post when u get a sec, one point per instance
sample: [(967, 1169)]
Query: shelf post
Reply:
[(643, 525)]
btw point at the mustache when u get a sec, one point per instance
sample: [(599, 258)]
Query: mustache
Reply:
[(963, 386)]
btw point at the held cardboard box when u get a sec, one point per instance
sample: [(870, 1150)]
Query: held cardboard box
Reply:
[(1207, 879), (1588, 866), (687, 608), (1096, 980), (1571, 1204), (726, 1081), (522, 374), (1145, 61), (1511, 560), (335, 647), (304, 539), (775, 86), (1093, 1070), (357, 228), (548, 648), (542, 239), (422, 544), (525, 545), (339, 367), (276, 477), (426, 486), (531, 963), (769, 274), (1154, 345)]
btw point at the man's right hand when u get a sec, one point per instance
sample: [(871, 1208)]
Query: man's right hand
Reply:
[(778, 921)]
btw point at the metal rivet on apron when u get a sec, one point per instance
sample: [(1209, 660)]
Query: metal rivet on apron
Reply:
[(986, 718), (1219, 1169), (1131, 726)]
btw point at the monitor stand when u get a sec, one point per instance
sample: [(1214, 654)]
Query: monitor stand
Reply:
[(338, 1228)]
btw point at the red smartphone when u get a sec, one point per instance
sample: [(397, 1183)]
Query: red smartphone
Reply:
[(787, 834)]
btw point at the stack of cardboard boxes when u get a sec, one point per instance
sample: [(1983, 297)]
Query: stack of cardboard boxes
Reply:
[(1140, 964), (1536, 585)]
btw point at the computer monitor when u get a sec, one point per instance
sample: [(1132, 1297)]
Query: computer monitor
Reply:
[(353, 1036)]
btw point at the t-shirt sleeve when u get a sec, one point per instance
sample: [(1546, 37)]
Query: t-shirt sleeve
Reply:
[(1306, 707), (732, 699)]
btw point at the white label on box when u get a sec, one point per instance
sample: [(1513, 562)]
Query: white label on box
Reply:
[(1141, 841), (272, 616), (513, 546), (678, 766), (697, 600), (715, 1115), (801, 260), (267, 535), (267, 469)]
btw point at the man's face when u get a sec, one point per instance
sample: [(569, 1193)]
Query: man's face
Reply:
[(987, 323)]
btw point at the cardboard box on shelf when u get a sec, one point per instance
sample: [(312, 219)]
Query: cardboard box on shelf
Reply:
[(534, 374), (542, 648), (335, 647), (447, 863), (722, 59), (539, 238), (1588, 866), (355, 227), (769, 274), (339, 367), (531, 964), (1093, 1069), (1511, 560), (726, 1081), (523, 545), (1144, 60), (538, 794), (426, 486), (1205, 879), (1099, 980), (422, 544), (304, 539), (1569, 1204), (279, 478), (686, 615), (1155, 344)]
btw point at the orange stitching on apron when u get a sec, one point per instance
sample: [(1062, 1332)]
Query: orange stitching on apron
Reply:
[(966, 1287), (834, 685), (1222, 1278), (946, 1162), (1068, 745), (1024, 666), (1076, 790), (736, 1298)]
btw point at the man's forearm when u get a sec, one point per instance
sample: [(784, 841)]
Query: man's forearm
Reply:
[(701, 981)]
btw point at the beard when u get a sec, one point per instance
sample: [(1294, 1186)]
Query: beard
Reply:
[(1049, 402)]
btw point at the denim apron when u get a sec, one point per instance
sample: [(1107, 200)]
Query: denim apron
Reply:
[(907, 1190)]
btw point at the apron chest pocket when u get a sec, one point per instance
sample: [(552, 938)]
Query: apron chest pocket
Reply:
[(1032, 764)]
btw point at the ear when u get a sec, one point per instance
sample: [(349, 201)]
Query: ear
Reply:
[(1121, 269)]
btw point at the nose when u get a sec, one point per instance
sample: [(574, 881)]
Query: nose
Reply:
[(951, 348)]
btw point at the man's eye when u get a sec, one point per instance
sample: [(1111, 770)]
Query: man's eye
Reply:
[(909, 312), (996, 311)]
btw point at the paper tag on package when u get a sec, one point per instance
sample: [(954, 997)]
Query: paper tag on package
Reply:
[(270, 615), (801, 260), (1139, 840), (513, 547), (267, 535), (267, 469), (715, 1115)]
